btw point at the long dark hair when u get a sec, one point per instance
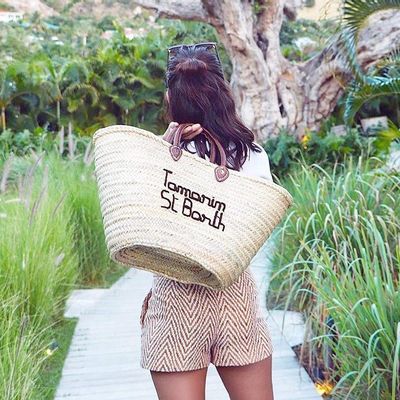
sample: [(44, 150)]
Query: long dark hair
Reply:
[(198, 93)]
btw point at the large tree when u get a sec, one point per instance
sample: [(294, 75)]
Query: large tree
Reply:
[(270, 91)]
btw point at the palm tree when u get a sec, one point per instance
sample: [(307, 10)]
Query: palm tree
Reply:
[(383, 79), (14, 82), (123, 75), (69, 82)]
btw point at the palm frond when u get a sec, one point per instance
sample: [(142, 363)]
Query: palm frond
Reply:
[(141, 79), (356, 12), (388, 66), (355, 15), (82, 89), (75, 71), (361, 92)]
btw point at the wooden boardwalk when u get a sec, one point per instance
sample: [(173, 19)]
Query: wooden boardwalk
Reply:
[(103, 359)]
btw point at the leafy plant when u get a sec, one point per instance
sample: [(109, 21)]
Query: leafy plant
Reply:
[(323, 147), (338, 255), (52, 241), (370, 84), (387, 136), (66, 73)]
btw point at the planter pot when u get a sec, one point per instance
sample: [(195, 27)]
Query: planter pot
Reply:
[(339, 130), (393, 163), (370, 124)]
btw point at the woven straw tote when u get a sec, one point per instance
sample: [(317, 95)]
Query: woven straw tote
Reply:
[(173, 213)]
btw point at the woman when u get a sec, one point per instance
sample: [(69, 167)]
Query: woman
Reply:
[(187, 326)]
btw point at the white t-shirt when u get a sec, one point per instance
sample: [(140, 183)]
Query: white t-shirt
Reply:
[(256, 164)]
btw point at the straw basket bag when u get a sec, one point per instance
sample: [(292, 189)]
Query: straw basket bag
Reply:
[(173, 213)]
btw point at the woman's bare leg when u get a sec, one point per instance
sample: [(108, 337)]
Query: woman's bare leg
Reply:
[(249, 382), (180, 385)]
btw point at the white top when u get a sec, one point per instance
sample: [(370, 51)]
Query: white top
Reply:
[(256, 164)]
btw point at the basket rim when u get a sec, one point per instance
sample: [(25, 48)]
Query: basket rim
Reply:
[(136, 130)]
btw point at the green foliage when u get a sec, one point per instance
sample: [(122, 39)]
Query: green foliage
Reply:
[(58, 341), (318, 32), (282, 150), (386, 137), (355, 14), (52, 78), (375, 82), (38, 268), (6, 7), (21, 143), (362, 92), (20, 366), (338, 255), (257, 7), (81, 193), (52, 242), (323, 148), (39, 141)]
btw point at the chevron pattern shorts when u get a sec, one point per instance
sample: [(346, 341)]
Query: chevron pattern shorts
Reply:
[(185, 326)]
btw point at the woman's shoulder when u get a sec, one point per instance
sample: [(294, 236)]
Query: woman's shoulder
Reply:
[(262, 154), (257, 163)]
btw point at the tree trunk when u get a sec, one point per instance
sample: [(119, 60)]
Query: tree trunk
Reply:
[(58, 112), (270, 92)]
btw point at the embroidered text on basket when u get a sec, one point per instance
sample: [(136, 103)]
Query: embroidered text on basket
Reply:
[(190, 196)]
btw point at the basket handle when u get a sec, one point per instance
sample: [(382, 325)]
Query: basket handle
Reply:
[(221, 171)]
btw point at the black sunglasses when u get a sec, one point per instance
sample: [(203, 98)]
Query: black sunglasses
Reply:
[(173, 50)]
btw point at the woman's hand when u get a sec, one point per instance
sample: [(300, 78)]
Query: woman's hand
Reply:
[(195, 128)]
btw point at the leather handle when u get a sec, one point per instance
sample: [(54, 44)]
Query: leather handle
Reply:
[(211, 140), (221, 171)]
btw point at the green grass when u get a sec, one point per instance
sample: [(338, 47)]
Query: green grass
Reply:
[(38, 271), (78, 182), (52, 242), (338, 256), (112, 275), (60, 336)]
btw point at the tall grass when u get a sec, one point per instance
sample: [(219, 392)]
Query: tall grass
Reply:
[(71, 172), (38, 268), (52, 241), (339, 260), (76, 178)]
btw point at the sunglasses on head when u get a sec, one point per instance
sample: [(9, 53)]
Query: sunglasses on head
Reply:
[(173, 50)]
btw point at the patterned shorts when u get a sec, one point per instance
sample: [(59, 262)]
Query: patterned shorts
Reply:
[(185, 326)]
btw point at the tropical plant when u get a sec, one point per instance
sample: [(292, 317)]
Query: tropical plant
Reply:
[(93, 82), (337, 259), (69, 80), (15, 82), (382, 79), (323, 148), (386, 137)]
